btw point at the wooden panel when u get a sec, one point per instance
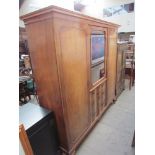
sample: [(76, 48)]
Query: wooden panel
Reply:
[(97, 100), (25, 141), (44, 62), (111, 64), (120, 81), (46, 13), (74, 68)]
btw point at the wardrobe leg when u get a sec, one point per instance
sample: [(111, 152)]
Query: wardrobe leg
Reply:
[(115, 99), (73, 153)]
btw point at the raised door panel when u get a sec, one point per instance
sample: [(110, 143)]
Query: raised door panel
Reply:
[(97, 100), (112, 52), (74, 70)]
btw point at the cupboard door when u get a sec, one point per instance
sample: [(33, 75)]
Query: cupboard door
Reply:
[(73, 42), (111, 71)]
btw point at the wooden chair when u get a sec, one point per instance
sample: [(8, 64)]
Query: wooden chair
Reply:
[(23, 93), (27, 87), (31, 87)]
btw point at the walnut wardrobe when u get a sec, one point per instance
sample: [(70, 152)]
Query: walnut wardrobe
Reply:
[(73, 58)]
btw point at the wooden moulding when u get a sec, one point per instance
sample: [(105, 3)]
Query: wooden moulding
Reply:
[(25, 141), (52, 8), (99, 82)]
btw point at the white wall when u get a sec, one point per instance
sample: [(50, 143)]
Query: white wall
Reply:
[(127, 21), (33, 5), (93, 8)]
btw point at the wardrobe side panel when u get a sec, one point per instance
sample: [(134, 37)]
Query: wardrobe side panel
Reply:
[(44, 65)]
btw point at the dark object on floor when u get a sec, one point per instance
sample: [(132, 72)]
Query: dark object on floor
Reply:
[(41, 129)]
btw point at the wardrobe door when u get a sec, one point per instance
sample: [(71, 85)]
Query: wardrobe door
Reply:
[(73, 42), (98, 76), (111, 68)]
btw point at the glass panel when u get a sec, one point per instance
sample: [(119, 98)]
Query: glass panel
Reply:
[(97, 56)]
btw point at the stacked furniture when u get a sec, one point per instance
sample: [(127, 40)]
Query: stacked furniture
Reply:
[(72, 80), (130, 63), (129, 54), (120, 78)]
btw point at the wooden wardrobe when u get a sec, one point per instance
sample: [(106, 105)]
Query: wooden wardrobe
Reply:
[(71, 80)]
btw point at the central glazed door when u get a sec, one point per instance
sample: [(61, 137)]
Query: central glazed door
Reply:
[(74, 80), (98, 76)]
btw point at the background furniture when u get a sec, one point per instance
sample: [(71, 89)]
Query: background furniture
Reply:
[(41, 130), (130, 64), (23, 45), (125, 36), (27, 88), (27, 62), (24, 94), (61, 46), (120, 78)]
